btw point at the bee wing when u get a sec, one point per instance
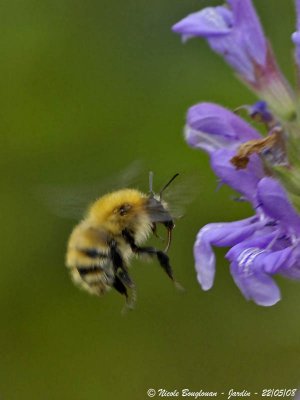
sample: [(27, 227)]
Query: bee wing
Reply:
[(72, 201), (66, 201), (182, 193)]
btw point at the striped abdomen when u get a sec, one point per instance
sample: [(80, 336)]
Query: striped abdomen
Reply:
[(96, 276), (89, 261)]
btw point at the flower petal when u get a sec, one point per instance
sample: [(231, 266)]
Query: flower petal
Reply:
[(274, 261), (256, 254), (218, 234), (233, 32), (258, 287), (211, 127), (246, 251), (296, 40), (244, 181), (209, 21), (251, 33), (296, 35), (291, 272), (246, 45), (275, 203)]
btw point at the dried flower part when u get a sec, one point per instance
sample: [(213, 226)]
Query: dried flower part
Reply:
[(272, 148)]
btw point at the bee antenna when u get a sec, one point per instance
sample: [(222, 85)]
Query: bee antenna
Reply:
[(167, 184), (151, 183)]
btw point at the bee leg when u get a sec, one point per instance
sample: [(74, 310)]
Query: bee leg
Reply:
[(123, 283), (164, 262), (162, 257), (120, 287), (119, 265), (154, 231)]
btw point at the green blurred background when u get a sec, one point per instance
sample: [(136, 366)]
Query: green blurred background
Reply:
[(86, 88)]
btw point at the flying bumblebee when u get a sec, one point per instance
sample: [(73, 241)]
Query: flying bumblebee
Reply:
[(116, 225)]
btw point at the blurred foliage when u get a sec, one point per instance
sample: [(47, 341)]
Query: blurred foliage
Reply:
[(87, 87)]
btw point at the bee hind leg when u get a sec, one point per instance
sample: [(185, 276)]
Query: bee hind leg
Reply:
[(120, 287), (129, 293), (119, 265), (123, 282)]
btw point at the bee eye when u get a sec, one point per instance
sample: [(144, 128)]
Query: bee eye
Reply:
[(123, 210)]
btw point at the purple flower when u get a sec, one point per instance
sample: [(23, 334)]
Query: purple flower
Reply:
[(261, 246), (233, 32), (263, 168), (273, 249)]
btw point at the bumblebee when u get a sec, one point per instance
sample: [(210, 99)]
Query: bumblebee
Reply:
[(102, 245)]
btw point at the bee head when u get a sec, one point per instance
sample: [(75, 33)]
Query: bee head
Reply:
[(118, 210), (158, 209)]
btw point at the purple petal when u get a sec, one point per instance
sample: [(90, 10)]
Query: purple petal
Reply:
[(219, 234), (236, 34), (296, 40), (253, 260), (211, 127), (251, 33), (258, 287), (209, 21), (273, 262), (246, 44), (298, 13), (246, 251), (232, 50), (292, 269), (292, 272), (244, 181), (296, 35), (275, 203), (261, 108), (257, 255)]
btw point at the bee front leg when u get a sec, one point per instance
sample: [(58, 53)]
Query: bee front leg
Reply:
[(154, 231)]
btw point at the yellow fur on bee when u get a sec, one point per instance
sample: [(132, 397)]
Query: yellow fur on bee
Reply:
[(104, 206), (104, 212)]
